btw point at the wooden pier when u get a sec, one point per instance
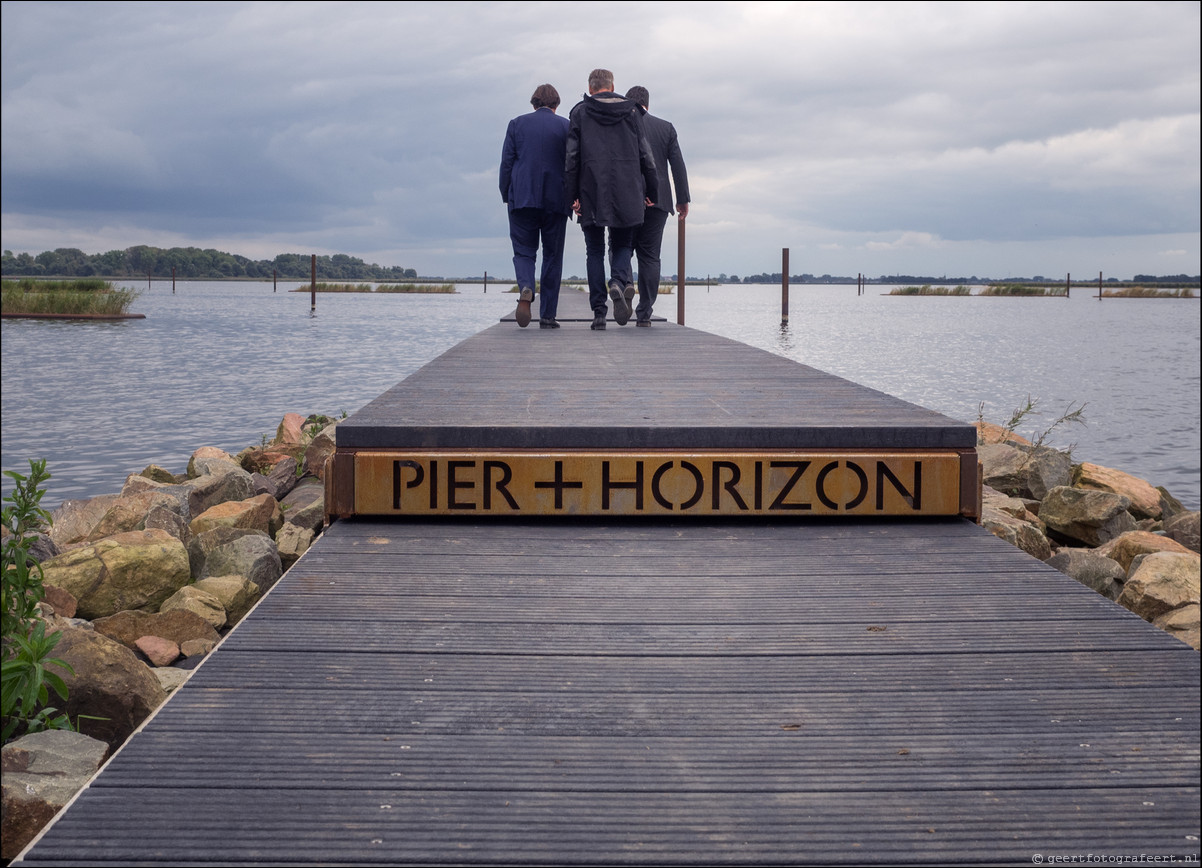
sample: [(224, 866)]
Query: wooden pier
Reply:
[(523, 685)]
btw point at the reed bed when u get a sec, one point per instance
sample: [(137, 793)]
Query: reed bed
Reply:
[(1147, 292), (1024, 291), (927, 289), (388, 287), (86, 297)]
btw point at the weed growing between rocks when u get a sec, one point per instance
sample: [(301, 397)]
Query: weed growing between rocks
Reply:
[(27, 670)]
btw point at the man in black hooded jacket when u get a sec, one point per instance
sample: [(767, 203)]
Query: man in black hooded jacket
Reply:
[(610, 179)]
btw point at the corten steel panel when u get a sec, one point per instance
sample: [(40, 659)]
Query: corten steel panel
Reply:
[(585, 483)]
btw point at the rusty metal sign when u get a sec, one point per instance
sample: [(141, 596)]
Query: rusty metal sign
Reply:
[(597, 483)]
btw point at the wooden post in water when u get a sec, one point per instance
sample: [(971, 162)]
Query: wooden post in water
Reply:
[(148, 280), (274, 275), (486, 283), (173, 280), (312, 284), (1068, 285), (680, 271), (784, 286), (1099, 286)]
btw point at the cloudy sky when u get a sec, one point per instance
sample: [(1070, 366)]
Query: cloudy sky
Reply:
[(991, 139)]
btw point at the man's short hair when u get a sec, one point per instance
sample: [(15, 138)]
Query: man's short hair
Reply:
[(545, 96), (599, 80), (639, 94)]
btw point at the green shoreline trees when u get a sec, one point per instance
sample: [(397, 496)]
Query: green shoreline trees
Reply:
[(194, 263)]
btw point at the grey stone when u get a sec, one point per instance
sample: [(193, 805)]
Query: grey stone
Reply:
[(42, 772), (1089, 517), (1183, 528), (1091, 569)]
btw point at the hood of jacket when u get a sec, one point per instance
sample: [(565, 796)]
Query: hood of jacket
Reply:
[(608, 108)]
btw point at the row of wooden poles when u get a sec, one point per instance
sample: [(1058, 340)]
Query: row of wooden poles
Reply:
[(861, 281)]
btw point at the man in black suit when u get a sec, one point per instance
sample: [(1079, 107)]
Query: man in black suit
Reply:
[(531, 181), (649, 237), (606, 154)]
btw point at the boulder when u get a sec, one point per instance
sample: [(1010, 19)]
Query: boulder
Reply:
[(1183, 624), (1144, 499), (1162, 582), (254, 557), (319, 451), (1046, 470), (158, 474), (134, 570), (283, 476), (73, 521), (1089, 517), (211, 489), (178, 625), (293, 541), (197, 647), (291, 430), (202, 545), (260, 512), (192, 599), (61, 602), (211, 461), (1019, 534), (42, 772), (159, 651), (130, 512), (1004, 468), (170, 677), (1169, 505), (1128, 546), (236, 595), (1091, 569), (1009, 519), (305, 505), (41, 546), (1183, 528), (110, 684)]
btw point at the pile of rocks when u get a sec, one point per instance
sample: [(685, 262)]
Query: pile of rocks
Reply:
[(144, 583), (1116, 533)]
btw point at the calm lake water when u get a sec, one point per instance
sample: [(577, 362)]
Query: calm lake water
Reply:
[(219, 364)]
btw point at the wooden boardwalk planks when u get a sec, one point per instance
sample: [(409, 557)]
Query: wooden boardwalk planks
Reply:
[(670, 693), (660, 388)]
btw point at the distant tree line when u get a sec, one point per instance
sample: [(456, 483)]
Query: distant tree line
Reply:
[(192, 262)]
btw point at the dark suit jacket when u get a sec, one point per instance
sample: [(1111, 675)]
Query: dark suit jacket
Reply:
[(665, 148), (532, 162)]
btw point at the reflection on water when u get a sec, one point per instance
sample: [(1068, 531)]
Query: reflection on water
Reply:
[(220, 363)]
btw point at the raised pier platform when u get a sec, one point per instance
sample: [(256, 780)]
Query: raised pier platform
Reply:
[(488, 686)]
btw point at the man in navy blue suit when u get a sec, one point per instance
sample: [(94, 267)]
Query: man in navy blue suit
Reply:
[(532, 168)]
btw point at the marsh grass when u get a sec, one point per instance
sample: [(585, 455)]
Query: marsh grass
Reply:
[(389, 287), (87, 297), (927, 289), (1147, 292), (1023, 291), (417, 287)]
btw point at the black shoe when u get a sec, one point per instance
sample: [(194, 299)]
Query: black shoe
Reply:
[(621, 308), (548, 323), (522, 315), (643, 323), (598, 323), (631, 291)]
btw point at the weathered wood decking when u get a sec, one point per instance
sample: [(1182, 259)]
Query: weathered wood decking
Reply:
[(607, 692)]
